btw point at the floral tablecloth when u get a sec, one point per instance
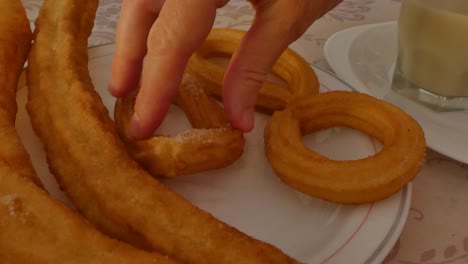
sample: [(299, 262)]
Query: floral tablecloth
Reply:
[(436, 231)]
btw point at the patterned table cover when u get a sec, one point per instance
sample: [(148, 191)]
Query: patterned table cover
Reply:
[(436, 231)]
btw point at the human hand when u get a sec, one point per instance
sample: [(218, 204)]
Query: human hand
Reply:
[(168, 32)]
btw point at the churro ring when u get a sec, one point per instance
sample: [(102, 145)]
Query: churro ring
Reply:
[(351, 181), (212, 144), (290, 67)]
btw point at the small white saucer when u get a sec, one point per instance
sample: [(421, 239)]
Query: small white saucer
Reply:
[(365, 56)]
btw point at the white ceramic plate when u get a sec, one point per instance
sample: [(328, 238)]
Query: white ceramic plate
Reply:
[(365, 57), (250, 197)]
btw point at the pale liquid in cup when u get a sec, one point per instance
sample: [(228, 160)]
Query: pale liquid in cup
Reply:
[(433, 52)]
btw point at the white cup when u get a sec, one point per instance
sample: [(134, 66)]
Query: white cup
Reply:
[(432, 63)]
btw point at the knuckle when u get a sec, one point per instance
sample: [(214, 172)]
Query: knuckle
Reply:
[(161, 39), (253, 77)]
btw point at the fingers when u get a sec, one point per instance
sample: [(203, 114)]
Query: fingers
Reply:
[(180, 29), (178, 32), (136, 19), (277, 24), (269, 35)]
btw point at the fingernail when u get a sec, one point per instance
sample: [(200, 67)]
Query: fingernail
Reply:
[(114, 91), (111, 85), (134, 128), (247, 120), (111, 89)]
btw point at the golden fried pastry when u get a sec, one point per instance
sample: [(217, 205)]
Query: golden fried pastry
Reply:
[(15, 41), (350, 181), (290, 67), (92, 165), (34, 228), (212, 144)]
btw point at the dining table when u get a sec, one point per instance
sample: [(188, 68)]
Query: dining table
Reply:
[(436, 228)]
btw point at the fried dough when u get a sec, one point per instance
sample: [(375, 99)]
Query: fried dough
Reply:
[(34, 228), (212, 143), (91, 164), (364, 180), (15, 41), (290, 67)]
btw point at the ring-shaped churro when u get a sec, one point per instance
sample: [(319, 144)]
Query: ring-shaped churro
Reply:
[(290, 67), (211, 144), (350, 181)]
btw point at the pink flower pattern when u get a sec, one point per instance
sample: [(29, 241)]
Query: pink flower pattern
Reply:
[(351, 10)]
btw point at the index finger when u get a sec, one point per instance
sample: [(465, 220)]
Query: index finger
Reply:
[(135, 22), (181, 28)]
